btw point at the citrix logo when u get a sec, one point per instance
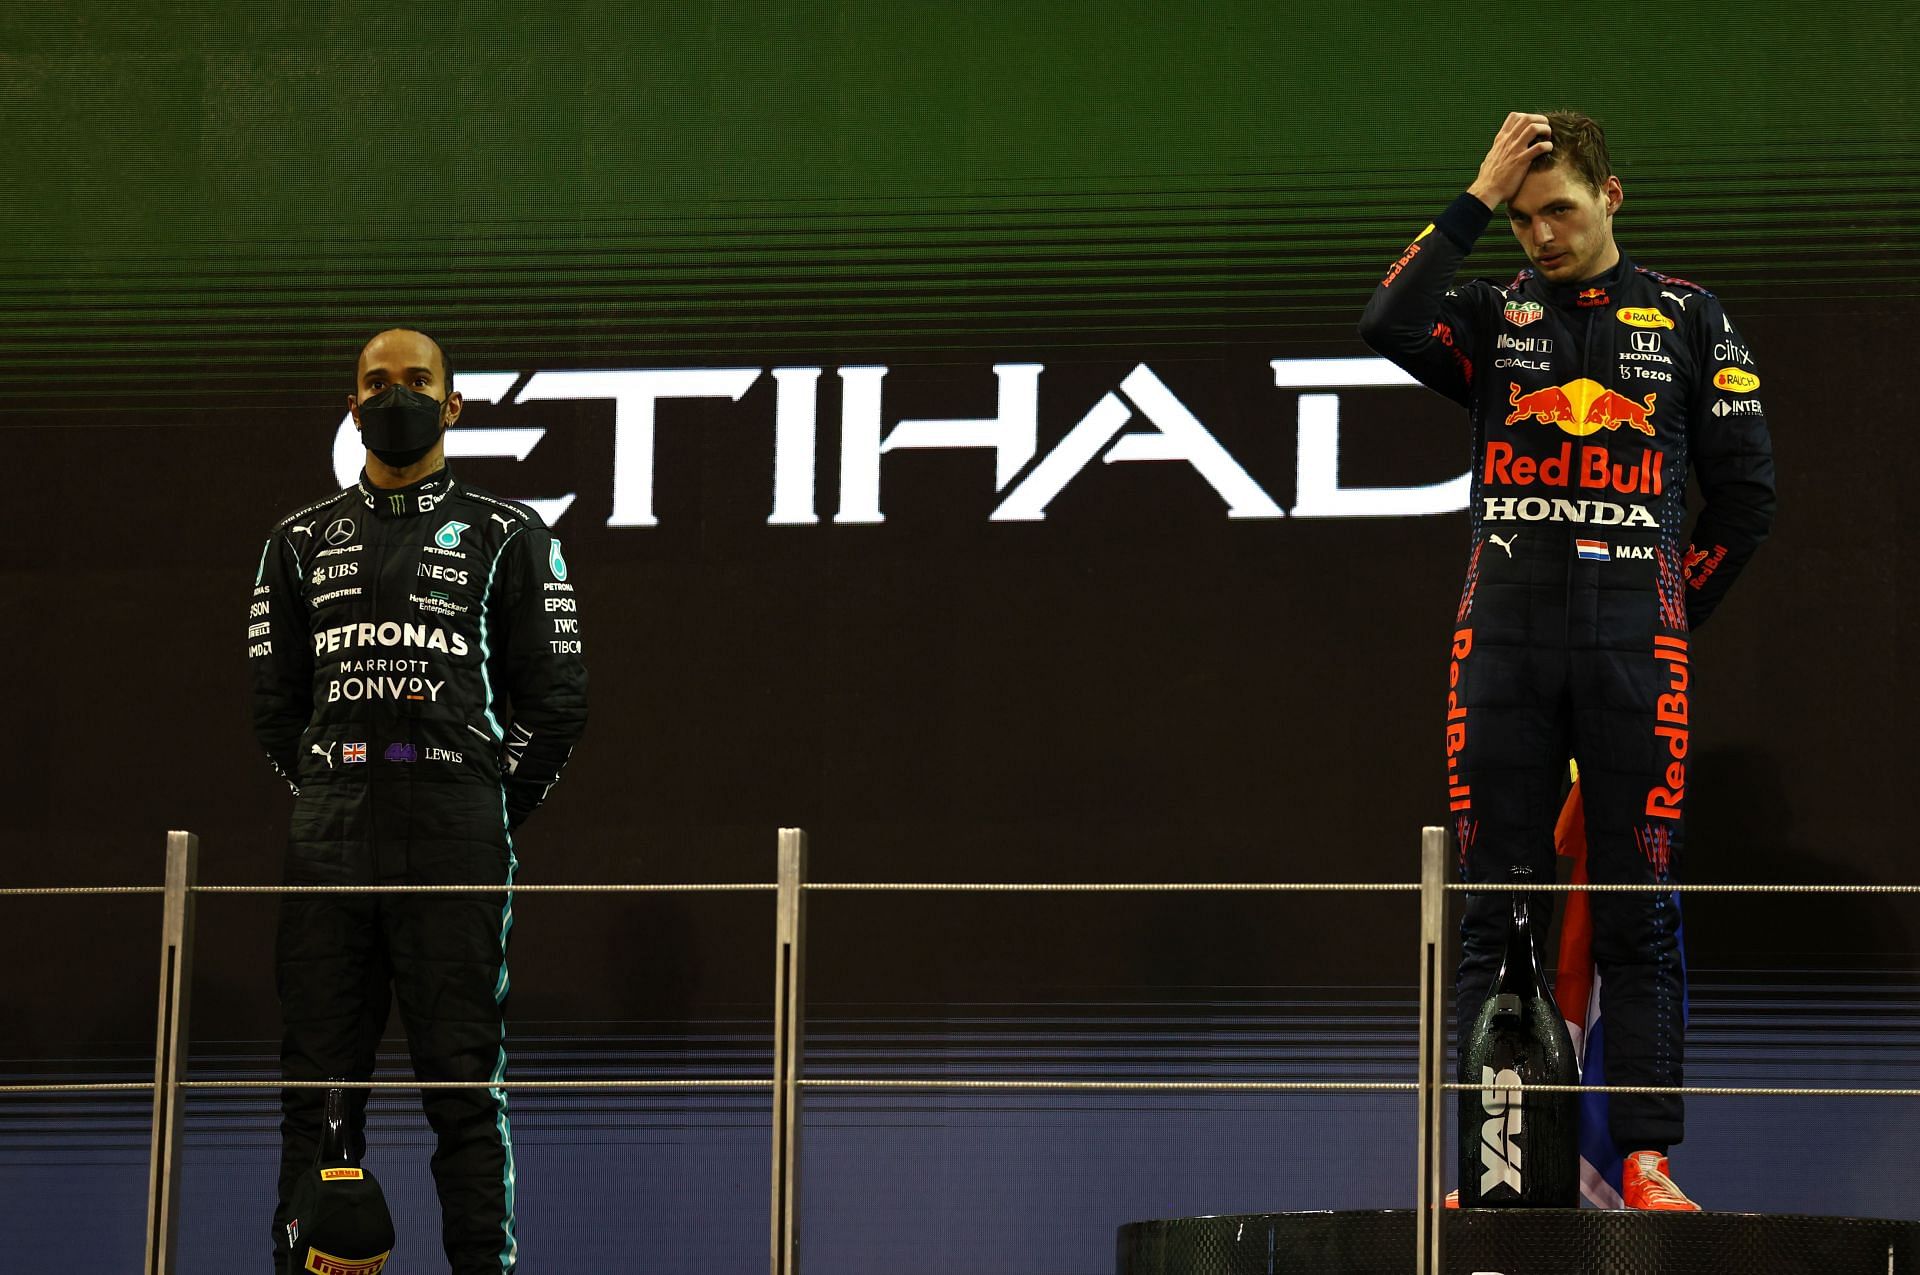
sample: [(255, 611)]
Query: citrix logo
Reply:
[(1140, 420)]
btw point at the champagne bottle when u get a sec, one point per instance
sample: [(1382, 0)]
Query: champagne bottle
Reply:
[(1518, 1150), (339, 1218), (334, 1152)]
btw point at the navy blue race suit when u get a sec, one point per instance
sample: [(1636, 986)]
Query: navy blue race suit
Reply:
[(1589, 403), (418, 679)]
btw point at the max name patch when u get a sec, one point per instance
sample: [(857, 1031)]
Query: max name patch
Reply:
[(341, 1175)]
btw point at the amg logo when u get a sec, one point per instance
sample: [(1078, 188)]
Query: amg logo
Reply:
[(1499, 1135)]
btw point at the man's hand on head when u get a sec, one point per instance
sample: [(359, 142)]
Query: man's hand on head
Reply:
[(1522, 139)]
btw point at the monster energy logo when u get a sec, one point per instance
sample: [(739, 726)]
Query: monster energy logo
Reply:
[(398, 502)]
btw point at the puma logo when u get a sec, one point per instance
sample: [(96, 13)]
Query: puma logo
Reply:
[(1506, 544), (504, 524), (305, 531), (1678, 300), (326, 752)]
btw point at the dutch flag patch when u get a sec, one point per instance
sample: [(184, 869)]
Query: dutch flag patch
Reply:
[(1592, 550)]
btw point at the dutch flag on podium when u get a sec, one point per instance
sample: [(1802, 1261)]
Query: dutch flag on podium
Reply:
[(1578, 993)]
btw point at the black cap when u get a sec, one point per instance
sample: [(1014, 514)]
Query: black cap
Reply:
[(341, 1225)]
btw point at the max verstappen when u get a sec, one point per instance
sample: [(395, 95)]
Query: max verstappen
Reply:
[(392, 625), (1593, 385)]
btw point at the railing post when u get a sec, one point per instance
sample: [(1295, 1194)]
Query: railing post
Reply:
[(1430, 1183), (789, 1035), (170, 1051)]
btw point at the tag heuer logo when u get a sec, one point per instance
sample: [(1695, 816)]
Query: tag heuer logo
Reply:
[(1521, 313)]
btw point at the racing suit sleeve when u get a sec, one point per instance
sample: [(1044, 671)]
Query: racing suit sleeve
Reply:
[(280, 660), (1414, 320), (1732, 458), (540, 666)]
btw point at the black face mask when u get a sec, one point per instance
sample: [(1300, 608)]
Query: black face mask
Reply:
[(399, 425)]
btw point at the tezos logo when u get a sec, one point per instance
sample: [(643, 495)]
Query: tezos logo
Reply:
[(556, 562), (448, 537)]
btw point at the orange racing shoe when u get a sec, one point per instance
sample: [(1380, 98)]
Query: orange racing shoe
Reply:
[(1645, 1185)]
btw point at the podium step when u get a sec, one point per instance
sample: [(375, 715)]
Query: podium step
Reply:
[(1522, 1242)]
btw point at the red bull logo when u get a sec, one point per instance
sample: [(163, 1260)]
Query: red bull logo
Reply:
[(1594, 468), (1406, 258), (1670, 713), (1698, 564), (1580, 408), (1459, 792)]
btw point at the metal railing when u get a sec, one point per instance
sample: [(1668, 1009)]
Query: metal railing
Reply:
[(787, 1082)]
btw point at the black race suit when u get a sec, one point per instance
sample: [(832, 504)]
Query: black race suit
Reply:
[(1589, 403), (389, 632)]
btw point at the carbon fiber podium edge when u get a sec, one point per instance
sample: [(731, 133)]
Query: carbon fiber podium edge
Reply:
[(1522, 1242)]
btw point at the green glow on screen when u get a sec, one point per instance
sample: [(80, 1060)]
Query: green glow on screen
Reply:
[(670, 183)]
